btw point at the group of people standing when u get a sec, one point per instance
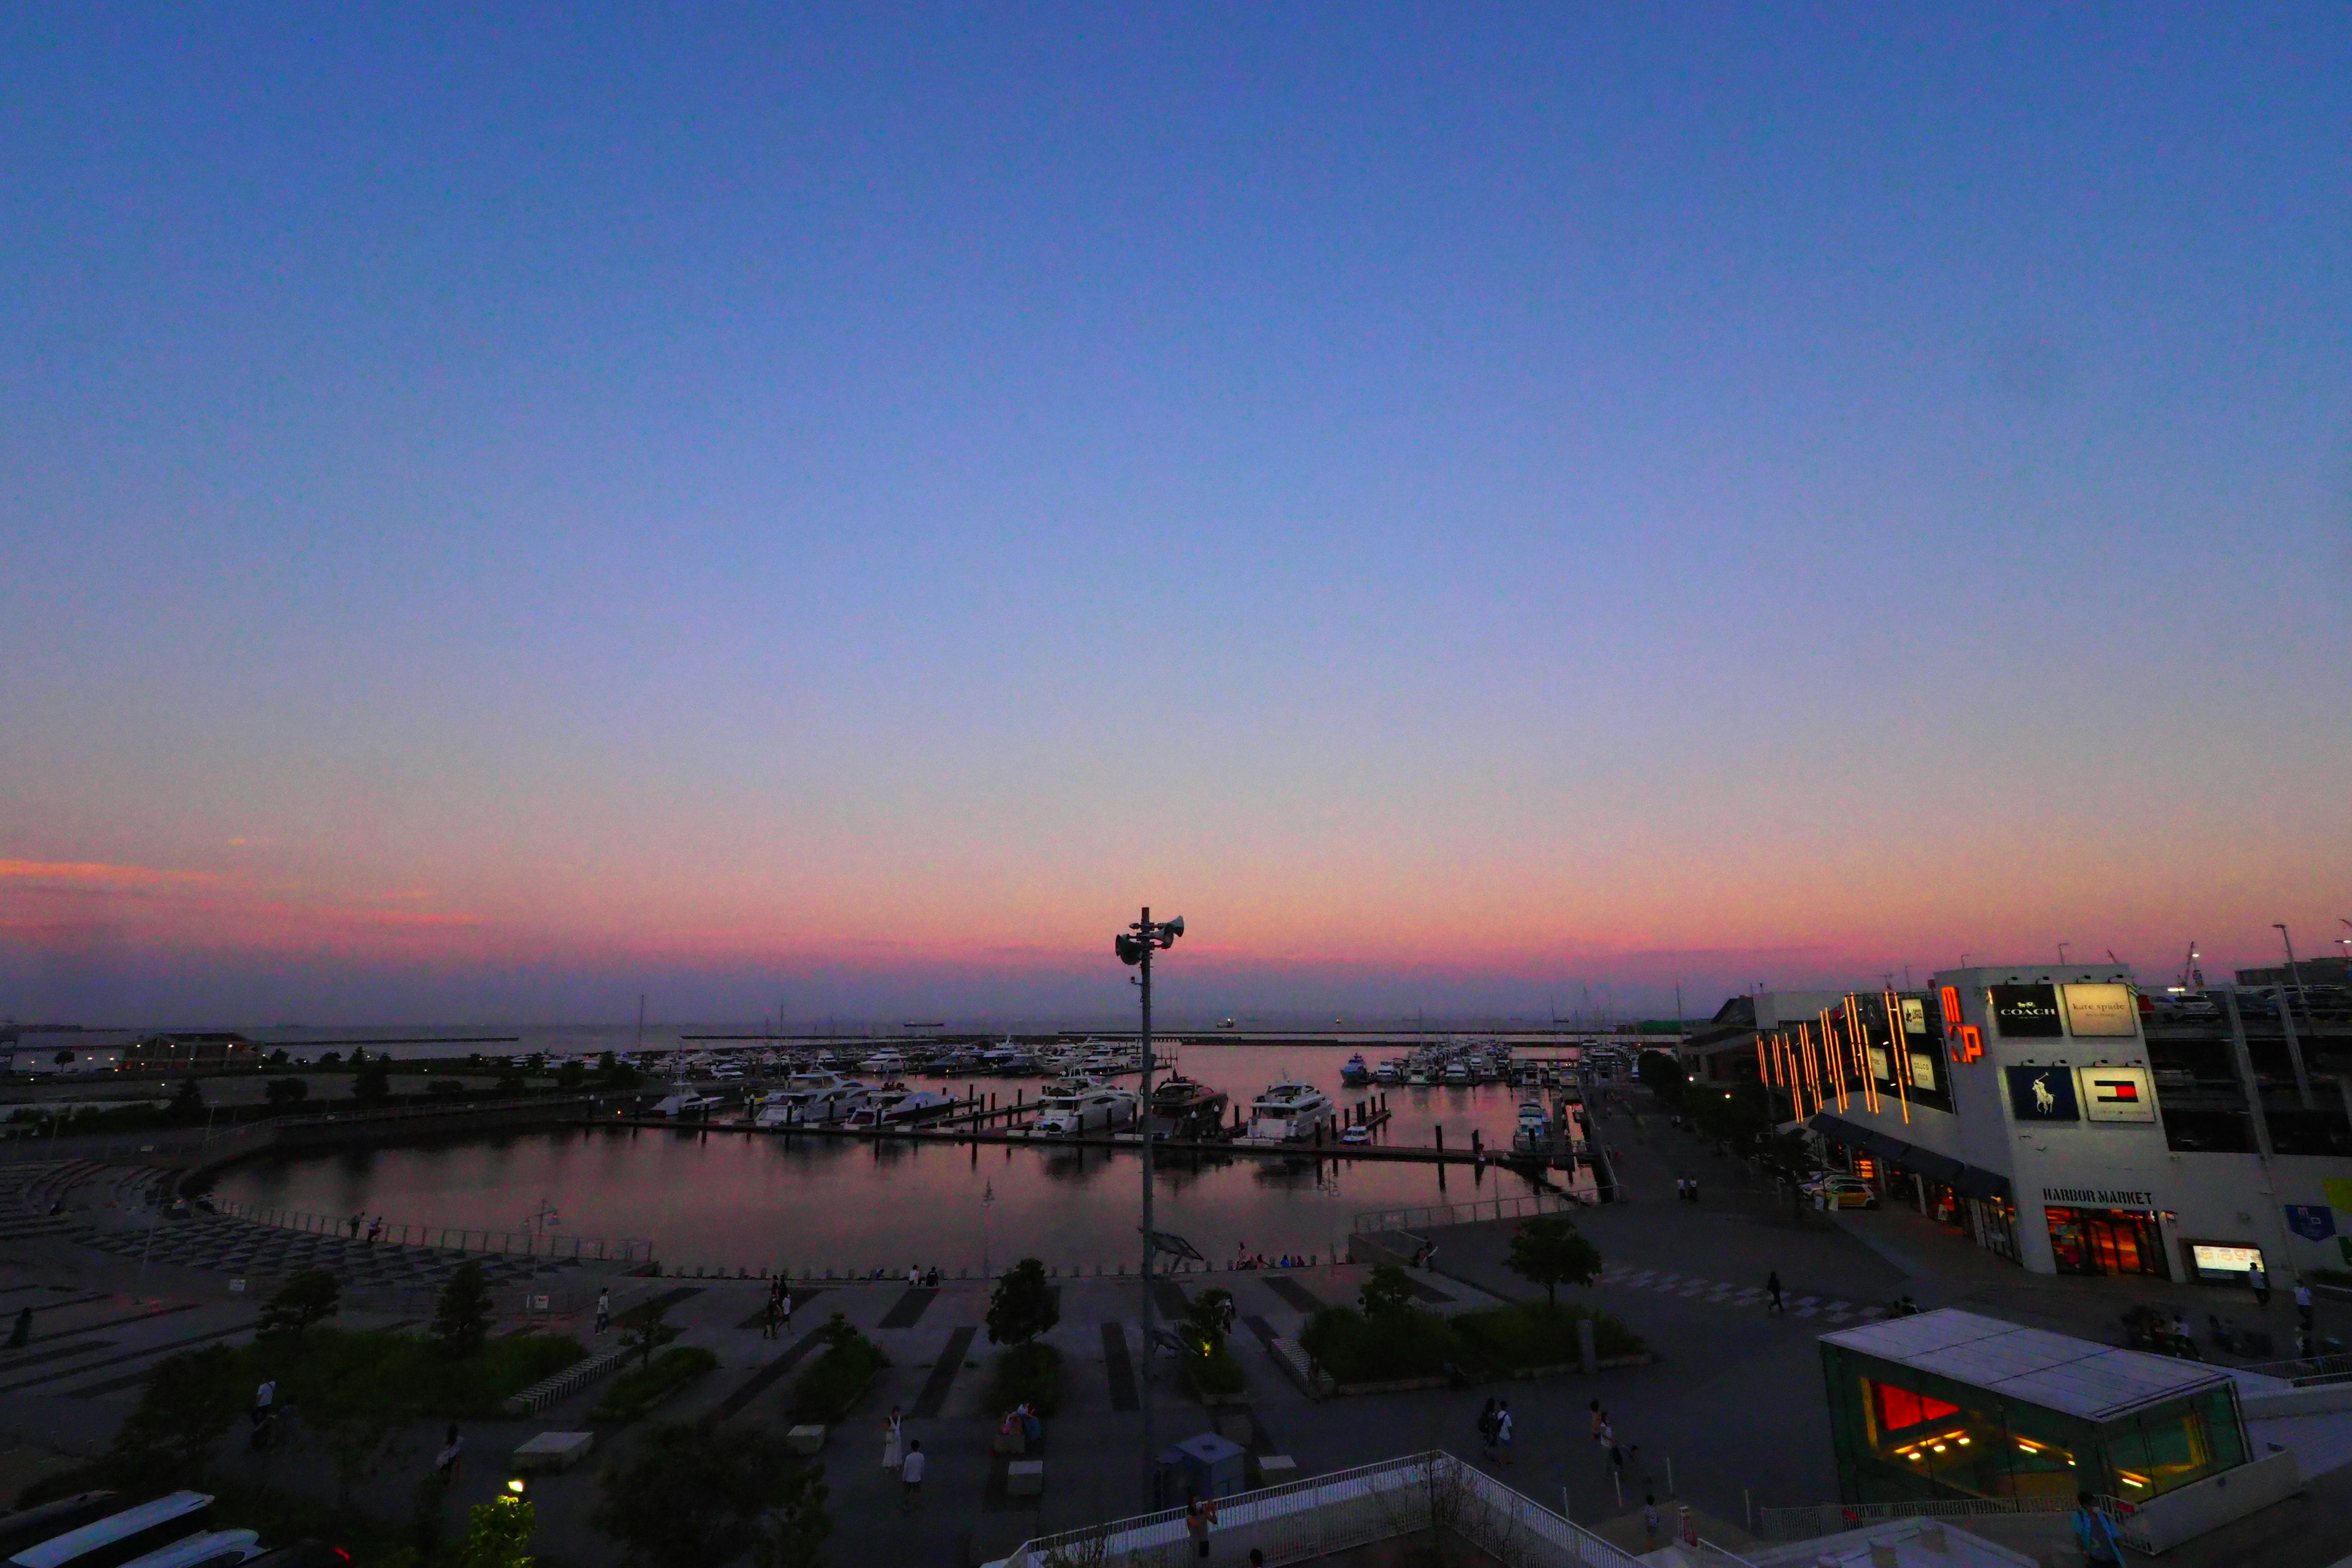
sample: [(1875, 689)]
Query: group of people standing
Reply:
[(904, 1455), (776, 1317)]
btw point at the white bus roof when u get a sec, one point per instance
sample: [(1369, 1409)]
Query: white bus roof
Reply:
[(63, 1549)]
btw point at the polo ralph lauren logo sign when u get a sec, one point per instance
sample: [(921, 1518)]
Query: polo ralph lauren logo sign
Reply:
[(2102, 1197)]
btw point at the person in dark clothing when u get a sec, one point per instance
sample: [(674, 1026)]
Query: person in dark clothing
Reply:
[(1772, 1284)]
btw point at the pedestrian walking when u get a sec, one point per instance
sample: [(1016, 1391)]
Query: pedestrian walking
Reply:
[(1503, 1433), (892, 1430), (785, 1300), (771, 1320), (910, 1477), (1600, 1421), (355, 1227), (2258, 1280), (450, 1462), (1486, 1425), (2303, 1305), (2094, 1535), (1650, 1521), (603, 1311), (1772, 1284), (265, 1401), (22, 1335)]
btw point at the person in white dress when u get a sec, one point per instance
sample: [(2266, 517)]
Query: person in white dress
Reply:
[(891, 1434)]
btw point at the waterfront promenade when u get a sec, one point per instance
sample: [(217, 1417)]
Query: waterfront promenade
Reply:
[(1732, 1410)]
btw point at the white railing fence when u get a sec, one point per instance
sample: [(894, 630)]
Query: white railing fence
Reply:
[(1805, 1521), (2307, 1372), (1373, 1220), (448, 1238), (1301, 1520)]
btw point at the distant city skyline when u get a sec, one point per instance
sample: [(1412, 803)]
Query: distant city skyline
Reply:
[(499, 513)]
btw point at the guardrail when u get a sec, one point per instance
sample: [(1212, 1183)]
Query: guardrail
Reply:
[(571, 1379), (447, 1108), (1372, 1221), (1305, 1520), (2306, 1372), (1802, 1521), (448, 1238)]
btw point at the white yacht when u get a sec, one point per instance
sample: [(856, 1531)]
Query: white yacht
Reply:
[(884, 1063), (1098, 1107), (687, 1104), (816, 1097), (897, 1104), (1289, 1113)]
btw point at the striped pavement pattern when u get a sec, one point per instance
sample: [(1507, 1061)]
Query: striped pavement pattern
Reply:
[(1718, 1292)]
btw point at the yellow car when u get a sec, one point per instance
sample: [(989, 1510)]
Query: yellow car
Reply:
[(1844, 1192)]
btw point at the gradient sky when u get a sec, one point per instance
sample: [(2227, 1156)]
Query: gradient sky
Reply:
[(501, 512)]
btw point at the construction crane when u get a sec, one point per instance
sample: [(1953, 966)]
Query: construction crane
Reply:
[(2190, 977)]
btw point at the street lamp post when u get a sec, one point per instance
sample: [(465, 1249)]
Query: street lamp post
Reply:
[(1135, 947), (2294, 970)]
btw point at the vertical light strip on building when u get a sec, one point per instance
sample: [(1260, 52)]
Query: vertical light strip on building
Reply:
[(1901, 1062), (1832, 1058), (1861, 1051), (1813, 1069)]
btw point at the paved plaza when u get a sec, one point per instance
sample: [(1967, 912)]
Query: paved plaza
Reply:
[(1730, 1417)]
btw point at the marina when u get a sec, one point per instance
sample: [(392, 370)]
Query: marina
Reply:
[(749, 1177)]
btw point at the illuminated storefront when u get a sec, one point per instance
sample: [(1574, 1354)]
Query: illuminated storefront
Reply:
[(2020, 1107), (1953, 1405)]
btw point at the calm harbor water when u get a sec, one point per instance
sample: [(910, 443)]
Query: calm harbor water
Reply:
[(727, 1199)]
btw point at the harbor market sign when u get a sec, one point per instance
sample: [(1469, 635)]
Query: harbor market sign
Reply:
[(2102, 1197)]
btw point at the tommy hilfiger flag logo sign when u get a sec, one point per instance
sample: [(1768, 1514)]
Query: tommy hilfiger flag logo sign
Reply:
[(2117, 1094)]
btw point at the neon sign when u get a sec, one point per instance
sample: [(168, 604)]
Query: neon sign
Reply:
[(1966, 1039)]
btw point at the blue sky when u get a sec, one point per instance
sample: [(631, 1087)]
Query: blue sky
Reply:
[(1464, 501)]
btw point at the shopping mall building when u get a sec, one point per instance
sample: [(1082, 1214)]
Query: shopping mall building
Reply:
[(2066, 1121)]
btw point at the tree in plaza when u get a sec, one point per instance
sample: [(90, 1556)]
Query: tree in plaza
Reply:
[(1549, 1251), (1387, 1293), (354, 1404), (498, 1534), (285, 1093), (374, 1079), (571, 1076), (691, 1496), (311, 1297), (189, 1405), (1789, 1157), (1023, 1305), (461, 1319), (1204, 1319), (646, 1332), (187, 1104)]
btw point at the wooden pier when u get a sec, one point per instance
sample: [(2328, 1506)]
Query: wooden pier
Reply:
[(965, 1129)]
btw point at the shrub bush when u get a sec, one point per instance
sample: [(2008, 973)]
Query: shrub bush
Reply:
[(635, 1392), (1216, 1375), (834, 1380), (1353, 1348), (1415, 1342), (1027, 1375), (1511, 1338)]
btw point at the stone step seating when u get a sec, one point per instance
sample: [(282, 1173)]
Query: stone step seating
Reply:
[(241, 1246)]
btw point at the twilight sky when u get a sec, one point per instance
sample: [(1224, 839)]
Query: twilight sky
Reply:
[(833, 510)]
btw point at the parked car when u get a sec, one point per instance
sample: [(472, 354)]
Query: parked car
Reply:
[(1843, 1191)]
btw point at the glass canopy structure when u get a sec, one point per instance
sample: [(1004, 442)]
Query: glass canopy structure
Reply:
[(1954, 1405)]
